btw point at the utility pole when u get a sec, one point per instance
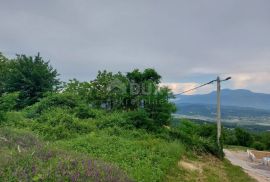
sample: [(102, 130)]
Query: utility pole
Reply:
[(218, 80), (218, 113)]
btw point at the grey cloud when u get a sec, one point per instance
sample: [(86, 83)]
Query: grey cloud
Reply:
[(175, 37)]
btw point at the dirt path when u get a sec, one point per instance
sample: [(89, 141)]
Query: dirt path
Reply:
[(257, 171)]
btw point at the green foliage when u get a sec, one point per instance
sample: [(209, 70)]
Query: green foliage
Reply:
[(18, 119), (258, 145), (142, 156), (24, 157), (244, 138), (32, 77), (159, 107), (142, 87), (62, 100), (83, 90), (134, 91), (235, 173), (83, 111), (140, 119), (104, 92), (196, 138), (59, 124), (7, 103), (264, 138), (3, 72), (115, 118), (230, 137)]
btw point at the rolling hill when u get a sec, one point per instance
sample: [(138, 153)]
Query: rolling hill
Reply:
[(237, 98), (242, 107)]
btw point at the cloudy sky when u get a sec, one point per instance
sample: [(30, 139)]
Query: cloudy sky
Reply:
[(187, 41)]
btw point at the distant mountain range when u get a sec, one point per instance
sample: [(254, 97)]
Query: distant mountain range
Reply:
[(237, 106), (237, 98)]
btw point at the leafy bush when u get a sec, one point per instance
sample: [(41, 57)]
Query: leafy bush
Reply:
[(116, 118), (17, 119), (258, 145), (194, 137), (244, 138), (140, 119), (61, 100), (60, 124), (229, 137), (83, 111), (7, 103)]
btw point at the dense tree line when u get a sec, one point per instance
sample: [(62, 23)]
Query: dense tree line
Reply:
[(32, 79), (243, 137)]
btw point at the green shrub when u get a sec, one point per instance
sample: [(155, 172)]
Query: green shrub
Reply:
[(140, 119), (17, 119), (7, 103), (60, 124), (244, 138), (258, 146), (131, 119), (61, 100), (265, 139), (116, 118), (195, 138), (83, 111), (229, 137)]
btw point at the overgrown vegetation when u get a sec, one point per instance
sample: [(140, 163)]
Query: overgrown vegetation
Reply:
[(245, 138), (25, 158), (233, 136), (113, 128)]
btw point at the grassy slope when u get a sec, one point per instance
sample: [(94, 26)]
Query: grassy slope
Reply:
[(142, 156)]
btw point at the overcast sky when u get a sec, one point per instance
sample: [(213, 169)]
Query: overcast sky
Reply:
[(187, 41)]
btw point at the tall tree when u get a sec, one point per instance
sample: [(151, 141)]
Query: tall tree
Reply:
[(109, 90), (159, 107), (81, 89), (32, 77), (3, 72), (145, 93), (141, 86)]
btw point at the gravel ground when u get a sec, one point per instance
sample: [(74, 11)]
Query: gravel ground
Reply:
[(256, 170)]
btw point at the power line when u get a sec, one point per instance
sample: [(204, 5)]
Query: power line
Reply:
[(195, 88)]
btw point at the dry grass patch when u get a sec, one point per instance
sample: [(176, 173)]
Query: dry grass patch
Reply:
[(204, 169)]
